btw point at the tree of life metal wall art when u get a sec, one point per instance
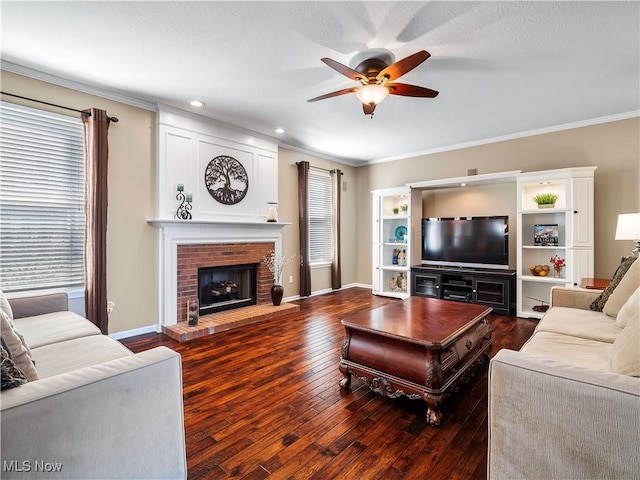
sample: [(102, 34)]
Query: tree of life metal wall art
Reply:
[(226, 180)]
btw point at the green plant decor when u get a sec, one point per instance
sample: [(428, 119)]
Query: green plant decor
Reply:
[(545, 198)]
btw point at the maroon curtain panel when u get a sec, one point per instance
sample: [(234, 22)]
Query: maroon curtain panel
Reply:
[(96, 126), (303, 221), (336, 192)]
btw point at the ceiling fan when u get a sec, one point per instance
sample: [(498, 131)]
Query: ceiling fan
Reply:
[(376, 76)]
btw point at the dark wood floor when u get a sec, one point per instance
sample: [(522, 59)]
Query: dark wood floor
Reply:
[(264, 401)]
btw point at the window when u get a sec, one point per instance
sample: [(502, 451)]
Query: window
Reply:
[(320, 250), (41, 199)]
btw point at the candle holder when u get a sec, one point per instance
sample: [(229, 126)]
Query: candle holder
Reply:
[(272, 211), (192, 312), (184, 209)]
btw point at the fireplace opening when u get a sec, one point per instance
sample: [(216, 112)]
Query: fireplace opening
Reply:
[(226, 287)]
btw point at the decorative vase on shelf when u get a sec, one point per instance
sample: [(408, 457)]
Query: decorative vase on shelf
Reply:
[(276, 294), (547, 205), (557, 271)]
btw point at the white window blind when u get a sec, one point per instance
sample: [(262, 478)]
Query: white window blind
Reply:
[(320, 249), (41, 199)]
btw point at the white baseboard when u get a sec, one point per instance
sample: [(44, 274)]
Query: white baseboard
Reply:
[(134, 332)]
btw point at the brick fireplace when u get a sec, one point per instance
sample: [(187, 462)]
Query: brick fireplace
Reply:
[(185, 246), (192, 257)]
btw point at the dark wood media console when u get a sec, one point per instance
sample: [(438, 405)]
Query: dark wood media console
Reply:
[(490, 287)]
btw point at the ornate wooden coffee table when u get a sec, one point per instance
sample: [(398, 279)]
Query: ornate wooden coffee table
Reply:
[(419, 347)]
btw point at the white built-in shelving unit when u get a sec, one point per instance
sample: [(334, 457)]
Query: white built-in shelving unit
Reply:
[(573, 218), (393, 240)]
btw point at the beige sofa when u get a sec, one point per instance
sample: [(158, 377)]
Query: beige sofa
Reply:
[(96, 410), (567, 405)]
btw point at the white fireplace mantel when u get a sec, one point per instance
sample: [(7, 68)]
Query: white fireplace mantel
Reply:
[(172, 233), (162, 223)]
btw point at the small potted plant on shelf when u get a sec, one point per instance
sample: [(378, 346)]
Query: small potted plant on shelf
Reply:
[(546, 200), (395, 210), (405, 208)]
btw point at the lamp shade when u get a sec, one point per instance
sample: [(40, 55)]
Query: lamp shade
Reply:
[(628, 226), (372, 93)]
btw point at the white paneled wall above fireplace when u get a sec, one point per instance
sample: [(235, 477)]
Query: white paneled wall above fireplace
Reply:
[(186, 145)]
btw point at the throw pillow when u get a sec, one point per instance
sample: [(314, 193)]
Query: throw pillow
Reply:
[(11, 375), (629, 310), (623, 291), (598, 304), (4, 305), (625, 352), (16, 350)]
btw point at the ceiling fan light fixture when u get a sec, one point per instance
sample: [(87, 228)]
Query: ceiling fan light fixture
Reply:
[(377, 79), (372, 93)]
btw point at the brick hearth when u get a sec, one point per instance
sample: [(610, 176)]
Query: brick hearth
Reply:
[(227, 320)]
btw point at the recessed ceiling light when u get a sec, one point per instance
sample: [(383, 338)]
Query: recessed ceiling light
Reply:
[(463, 184), (279, 130), (197, 103)]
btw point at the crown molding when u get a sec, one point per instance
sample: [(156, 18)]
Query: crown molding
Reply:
[(511, 136), (322, 155), (78, 86), (202, 124)]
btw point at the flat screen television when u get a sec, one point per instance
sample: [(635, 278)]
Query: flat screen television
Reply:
[(481, 242)]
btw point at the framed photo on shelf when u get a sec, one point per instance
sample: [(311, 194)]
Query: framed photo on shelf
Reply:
[(545, 235)]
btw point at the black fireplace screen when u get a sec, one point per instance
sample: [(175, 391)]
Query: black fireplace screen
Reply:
[(226, 287)]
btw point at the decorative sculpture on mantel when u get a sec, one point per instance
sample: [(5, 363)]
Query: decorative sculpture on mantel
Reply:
[(184, 209)]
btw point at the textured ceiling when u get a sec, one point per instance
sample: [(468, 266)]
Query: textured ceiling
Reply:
[(502, 68)]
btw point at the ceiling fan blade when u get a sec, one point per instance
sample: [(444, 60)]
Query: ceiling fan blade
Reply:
[(333, 94), (410, 90), (368, 108), (344, 70), (403, 66)]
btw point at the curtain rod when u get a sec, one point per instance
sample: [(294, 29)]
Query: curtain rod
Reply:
[(112, 119), (323, 169)]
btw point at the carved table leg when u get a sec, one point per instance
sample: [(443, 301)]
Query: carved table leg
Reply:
[(434, 415), (346, 381)]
